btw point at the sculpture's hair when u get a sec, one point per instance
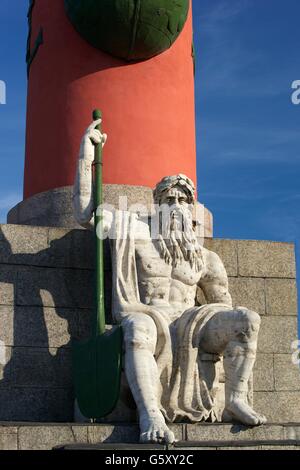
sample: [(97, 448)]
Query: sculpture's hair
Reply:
[(170, 182)]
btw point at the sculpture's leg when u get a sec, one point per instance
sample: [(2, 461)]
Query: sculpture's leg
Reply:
[(234, 334), (140, 336)]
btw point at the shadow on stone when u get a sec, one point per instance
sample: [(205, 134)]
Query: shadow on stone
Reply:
[(46, 299)]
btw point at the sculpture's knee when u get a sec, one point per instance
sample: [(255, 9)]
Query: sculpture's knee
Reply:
[(247, 325), (139, 333)]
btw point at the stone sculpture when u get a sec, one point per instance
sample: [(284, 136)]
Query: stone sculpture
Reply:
[(166, 334)]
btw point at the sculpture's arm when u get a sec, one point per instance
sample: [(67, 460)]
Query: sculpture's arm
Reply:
[(214, 280), (83, 204)]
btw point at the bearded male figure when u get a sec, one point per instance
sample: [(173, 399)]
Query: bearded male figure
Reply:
[(155, 282)]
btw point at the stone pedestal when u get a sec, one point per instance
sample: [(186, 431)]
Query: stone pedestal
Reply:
[(39, 436), (46, 297), (54, 208)]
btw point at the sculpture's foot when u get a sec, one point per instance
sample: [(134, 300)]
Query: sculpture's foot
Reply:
[(238, 409), (154, 429)]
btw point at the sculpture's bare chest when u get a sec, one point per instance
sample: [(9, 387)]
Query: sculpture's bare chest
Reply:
[(160, 282)]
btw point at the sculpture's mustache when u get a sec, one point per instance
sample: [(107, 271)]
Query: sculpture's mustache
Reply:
[(178, 241), (180, 220)]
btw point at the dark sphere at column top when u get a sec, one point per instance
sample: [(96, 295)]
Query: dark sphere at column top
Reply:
[(129, 29)]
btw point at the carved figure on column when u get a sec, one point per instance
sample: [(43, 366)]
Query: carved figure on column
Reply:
[(157, 273)]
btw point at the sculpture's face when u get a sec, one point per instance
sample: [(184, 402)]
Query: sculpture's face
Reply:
[(175, 197), (177, 213), (177, 229)]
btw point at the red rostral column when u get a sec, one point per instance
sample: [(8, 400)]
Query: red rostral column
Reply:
[(148, 106)]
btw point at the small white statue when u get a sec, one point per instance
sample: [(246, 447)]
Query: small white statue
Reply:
[(155, 283)]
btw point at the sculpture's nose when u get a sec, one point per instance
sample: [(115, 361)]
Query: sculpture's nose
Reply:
[(176, 203)]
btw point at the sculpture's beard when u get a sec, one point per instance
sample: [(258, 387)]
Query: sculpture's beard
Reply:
[(177, 239)]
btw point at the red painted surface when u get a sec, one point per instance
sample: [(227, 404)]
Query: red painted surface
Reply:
[(148, 107)]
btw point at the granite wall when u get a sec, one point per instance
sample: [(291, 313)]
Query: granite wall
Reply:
[(46, 283)]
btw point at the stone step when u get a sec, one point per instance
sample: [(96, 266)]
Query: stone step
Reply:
[(189, 446), (43, 436)]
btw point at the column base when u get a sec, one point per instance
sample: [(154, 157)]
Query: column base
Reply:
[(53, 208)]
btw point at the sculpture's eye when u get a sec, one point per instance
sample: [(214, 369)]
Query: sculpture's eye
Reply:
[(182, 200)]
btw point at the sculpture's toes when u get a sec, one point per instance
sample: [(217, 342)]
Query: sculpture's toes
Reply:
[(245, 414), (255, 419), (262, 419), (162, 435), (148, 437)]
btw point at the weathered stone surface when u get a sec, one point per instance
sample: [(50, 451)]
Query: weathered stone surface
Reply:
[(54, 208), (287, 447), (273, 447), (287, 374), (281, 297), (6, 325), (8, 438), (266, 259), (55, 288), (8, 281), (105, 433), (5, 366), (45, 327), (239, 448), (41, 437), (208, 223), (50, 281), (232, 432), (277, 334), (6, 293), (227, 250), (84, 323), (249, 293), (24, 245), (49, 208), (292, 432), (122, 433), (263, 374), (194, 448), (47, 437), (36, 404), (40, 367), (71, 248), (279, 407)]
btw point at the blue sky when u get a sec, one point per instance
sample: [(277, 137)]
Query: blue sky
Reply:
[(248, 136)]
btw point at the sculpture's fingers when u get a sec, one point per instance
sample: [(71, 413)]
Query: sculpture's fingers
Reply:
[(94, 125), (95, 136)]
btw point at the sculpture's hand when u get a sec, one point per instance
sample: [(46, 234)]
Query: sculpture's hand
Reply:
[(83, 204), (91, 138)]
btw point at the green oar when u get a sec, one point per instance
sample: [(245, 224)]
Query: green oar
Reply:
[(97, 362)]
